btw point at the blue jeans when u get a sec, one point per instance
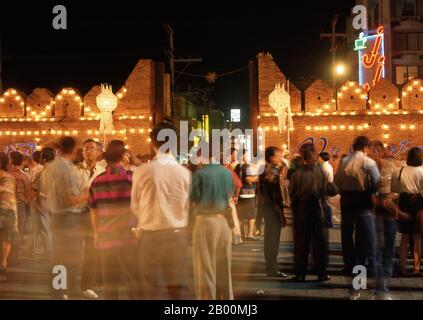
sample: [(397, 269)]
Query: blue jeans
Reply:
[(42, 231), (67, 249), (386, 229), (356, 216), (365, 241)]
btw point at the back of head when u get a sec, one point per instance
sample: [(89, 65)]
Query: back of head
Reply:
[(67, 145), (415, 157), (16, 158), (145, 158), (325, 156), (36, 156), (360, 143), (309, 156), (270, 152), (48, 154), (115, 151), (306, 146), (154, 134)]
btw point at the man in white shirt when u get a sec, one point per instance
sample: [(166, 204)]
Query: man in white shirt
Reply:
[(64, 199), (160, 200), (327, 169), (326, 166), (89, 170), (358, 180)]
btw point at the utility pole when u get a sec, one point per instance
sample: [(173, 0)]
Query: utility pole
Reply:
[(171, 56), (333, 36)]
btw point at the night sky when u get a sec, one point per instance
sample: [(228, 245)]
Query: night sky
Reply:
[(105, 39)]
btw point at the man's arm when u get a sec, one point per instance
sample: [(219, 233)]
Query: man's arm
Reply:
[(339, 175), (374, 177), (73, 190), (135, 193)]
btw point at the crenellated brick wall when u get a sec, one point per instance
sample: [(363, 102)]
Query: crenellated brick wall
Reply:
[(390, 114), (44, 116)]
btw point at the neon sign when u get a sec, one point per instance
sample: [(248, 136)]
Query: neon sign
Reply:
[(321, 144), (26, 149), (371, 58)]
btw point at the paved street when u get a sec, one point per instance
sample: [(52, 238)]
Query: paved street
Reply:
[(27, 279)]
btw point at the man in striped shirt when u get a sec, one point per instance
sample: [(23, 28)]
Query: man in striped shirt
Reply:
[(110, 197)]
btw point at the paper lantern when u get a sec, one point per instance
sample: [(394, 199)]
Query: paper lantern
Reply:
[(106, 103), (280, 101)]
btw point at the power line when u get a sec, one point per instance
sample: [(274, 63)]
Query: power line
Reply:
[(206, 75)]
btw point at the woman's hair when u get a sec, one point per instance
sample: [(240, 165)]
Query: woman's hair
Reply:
[(415, 157), (270, 152), (309, 156), (4, 161)]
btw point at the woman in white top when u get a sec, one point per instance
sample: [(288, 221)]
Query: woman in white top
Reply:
[(408, 182)]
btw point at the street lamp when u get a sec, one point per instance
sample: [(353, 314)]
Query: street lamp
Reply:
[(338, 71)]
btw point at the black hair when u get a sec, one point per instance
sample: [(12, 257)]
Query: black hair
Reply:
[(90, 140), (67, 145), (36, 156), (360, 143), (415, 157), (155, 133), (270, 152), (310, 156), (48, 154), (16, 158), (307, 146), (325, 156), (114, 151)]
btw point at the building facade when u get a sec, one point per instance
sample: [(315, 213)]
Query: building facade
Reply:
[(403, 24)]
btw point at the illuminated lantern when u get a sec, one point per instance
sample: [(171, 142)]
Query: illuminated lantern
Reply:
[(106, 103), (280, 101)]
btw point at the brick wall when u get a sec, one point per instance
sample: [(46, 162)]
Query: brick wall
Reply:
[(334, 130), (44, 116)]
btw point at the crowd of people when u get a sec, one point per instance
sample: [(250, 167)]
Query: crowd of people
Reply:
[(117, 221)]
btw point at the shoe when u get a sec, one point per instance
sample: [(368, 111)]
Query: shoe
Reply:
[(277, 274), (257, 233), (90, 294), (251, 239), (381, 296), (298, 278), (237, 240), (354, 295), (3, 275), (323, 278)]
